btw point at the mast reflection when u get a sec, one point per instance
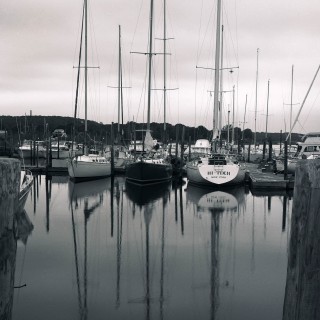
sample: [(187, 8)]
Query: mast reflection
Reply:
[(86, 197), (147, 198)]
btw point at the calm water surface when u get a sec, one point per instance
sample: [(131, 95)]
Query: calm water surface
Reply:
[(111, 250)]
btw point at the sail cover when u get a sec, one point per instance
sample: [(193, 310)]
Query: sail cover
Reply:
[(148, 141)]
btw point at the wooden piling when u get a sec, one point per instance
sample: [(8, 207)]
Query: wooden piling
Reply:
[(270, 151), (177, 140), (249, 147), (264, 150), (112, 150), (182, 149), (285, 173), (302, 294), (9, 198), (9, 192)]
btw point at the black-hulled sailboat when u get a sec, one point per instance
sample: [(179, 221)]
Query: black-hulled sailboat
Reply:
[(149, 167)]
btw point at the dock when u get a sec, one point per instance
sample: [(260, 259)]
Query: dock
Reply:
[(261, 178)]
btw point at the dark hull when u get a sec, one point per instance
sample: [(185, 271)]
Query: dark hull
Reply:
[(146, 172)]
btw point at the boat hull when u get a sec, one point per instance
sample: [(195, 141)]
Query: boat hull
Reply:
[(88, 168), (215, 175), (28, 153), (142, 172), (25, 187)]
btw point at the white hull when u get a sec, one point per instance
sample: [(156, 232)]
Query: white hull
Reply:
[(214, 175), (63, 154), (88, 167), (27, 154), (25, 186)]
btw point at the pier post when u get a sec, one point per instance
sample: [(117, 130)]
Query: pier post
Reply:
[(182, 149), (189, 155), (302, 294), (112, 150), (285, 163), (270, 151), (9, 192), (58, 147), (264, 150), (9, 197), (249, 147), (177, 140)]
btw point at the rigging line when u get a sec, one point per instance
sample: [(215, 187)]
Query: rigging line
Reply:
[(93, 38), (197, 60), (23, 164), (136, 26), (311, 107), (228, 24), (22, 267), (78, 76), (236, 19), (131, 59)]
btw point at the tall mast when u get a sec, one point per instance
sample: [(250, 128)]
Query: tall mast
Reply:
[(256, 103), (233, 98), (267, 115), (221, 86), (119, 82), (150, 63), (164, 69), (217, 73), (244, 117), (85, 72), (291, 107)]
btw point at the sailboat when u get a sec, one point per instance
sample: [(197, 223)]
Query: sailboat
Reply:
[(87, 166), (216, 169), (149, 168)]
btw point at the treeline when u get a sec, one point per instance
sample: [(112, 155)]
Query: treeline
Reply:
[(41, 128)]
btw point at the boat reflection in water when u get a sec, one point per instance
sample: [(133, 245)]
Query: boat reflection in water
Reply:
[(216, 203), (216, 200), (82, 190), (146, 197), (144, 194)]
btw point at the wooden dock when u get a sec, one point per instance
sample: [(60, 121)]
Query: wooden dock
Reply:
[(260, 178)]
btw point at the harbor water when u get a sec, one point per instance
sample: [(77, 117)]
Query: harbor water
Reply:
[(107, 249)]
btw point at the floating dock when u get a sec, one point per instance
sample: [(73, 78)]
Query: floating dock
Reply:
[(263, 178)]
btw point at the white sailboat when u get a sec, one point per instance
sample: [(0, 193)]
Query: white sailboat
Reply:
[(216, 169), (87, 166)]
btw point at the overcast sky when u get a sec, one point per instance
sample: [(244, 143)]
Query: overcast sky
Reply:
[(40, 44)]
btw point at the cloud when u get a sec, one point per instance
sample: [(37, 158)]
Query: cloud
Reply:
[(40, 43)]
